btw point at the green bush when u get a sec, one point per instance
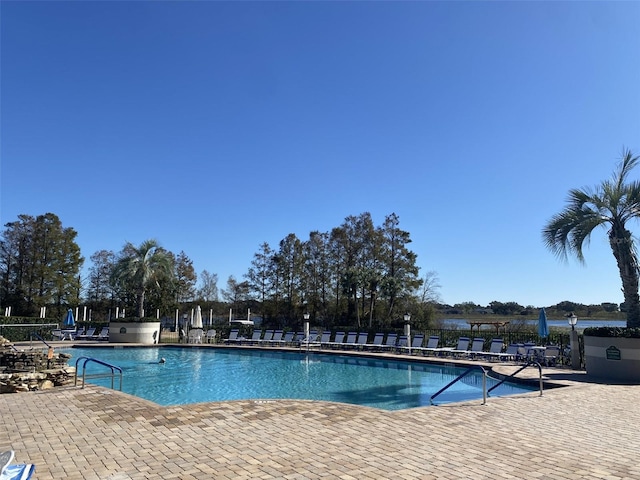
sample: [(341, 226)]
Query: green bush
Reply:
[(612, 332)]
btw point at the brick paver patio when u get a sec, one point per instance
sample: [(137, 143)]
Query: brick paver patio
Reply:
[(585, 430)]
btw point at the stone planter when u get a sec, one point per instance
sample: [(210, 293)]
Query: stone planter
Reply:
[(134, 332), (613, 358)]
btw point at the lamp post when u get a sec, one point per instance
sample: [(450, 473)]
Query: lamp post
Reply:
[(182, 333), (407, 329), (306, 326), (574, 345)]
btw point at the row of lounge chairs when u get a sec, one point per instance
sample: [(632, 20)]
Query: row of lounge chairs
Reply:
[(274, 338), (392, 342), (80, 334)]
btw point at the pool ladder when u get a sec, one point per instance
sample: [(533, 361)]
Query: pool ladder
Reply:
[(486, 392), (115, 370)]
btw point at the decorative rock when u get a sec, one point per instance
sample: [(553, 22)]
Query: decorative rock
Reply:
[(33, 370), (45, 385)]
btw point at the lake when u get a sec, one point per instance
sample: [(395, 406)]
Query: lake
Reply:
[(463, 323)]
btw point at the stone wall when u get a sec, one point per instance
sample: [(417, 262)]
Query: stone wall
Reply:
[(23, 371)]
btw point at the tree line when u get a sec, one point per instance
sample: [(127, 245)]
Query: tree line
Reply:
[(357, 273)]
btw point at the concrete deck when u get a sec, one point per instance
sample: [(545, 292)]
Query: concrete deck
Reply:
[(585, 430)]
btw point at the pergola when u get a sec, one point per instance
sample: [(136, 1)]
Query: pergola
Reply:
[(480, 323)]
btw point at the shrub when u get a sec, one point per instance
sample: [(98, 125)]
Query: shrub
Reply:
[(612, 332)]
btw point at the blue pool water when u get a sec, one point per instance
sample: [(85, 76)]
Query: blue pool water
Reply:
[(192, 375)]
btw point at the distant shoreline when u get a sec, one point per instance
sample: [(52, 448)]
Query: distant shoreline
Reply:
[(510, 318)]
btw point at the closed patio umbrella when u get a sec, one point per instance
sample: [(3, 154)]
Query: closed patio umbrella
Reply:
[(543, 328), (69, 321), (197, 318)]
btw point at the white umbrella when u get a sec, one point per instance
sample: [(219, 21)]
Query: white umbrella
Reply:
[(197, 318)]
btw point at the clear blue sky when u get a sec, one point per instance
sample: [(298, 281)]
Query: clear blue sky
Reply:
[(217, 126)]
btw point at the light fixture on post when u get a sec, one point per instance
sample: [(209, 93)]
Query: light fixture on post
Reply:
[(182, 335), (574, 344), (306, 326), (407, 330)]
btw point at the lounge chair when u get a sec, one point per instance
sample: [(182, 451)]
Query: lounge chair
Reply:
[(104, 334), (403, 343), (268, 335), (233, 336), (495, 349), (550, 356), (477, 347), (61, 335), (211, 336), (276, 338), (532, 352), (337, 340), (311, 340), (390, 342), (351, 340), (511, 353), (362, 339), (325, 339), (255, 336), (287, 339), (88, 334), (22, 471), (432, 344), (378, 341), (461, 348), (416, 343)]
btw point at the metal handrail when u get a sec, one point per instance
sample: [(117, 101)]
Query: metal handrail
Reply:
[(460, 377), (37, 335), (113, 368), (528, 364)]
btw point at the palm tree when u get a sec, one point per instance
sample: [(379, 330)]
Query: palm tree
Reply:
[(142, 267), (612, 204)]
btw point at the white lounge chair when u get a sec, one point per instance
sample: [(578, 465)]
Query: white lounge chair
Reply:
[(22, 471)]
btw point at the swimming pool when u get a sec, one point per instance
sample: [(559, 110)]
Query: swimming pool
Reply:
[(193, 375)]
